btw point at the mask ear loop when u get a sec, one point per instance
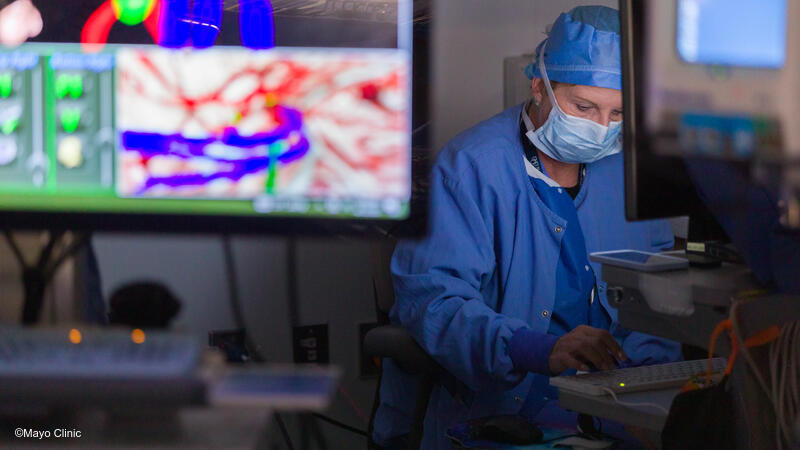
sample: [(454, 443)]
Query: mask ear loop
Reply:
[(525, 118), (528, 125), (546, 79)]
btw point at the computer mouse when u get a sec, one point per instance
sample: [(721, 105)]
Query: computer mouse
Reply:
[(507, 429)]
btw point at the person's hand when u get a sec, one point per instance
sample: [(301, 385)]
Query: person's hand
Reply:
[(19, 22), (584, 346)]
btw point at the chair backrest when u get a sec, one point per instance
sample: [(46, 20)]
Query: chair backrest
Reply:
[(381, 255)]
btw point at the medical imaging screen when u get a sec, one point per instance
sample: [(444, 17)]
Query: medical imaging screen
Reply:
[(732, 32), (211, 107)]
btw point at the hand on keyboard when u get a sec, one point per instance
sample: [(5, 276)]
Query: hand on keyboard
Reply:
[(626, 364), (634, 379), (584, 347)]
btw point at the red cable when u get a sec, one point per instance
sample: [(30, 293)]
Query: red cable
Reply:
[(95, 32), (353, 405)]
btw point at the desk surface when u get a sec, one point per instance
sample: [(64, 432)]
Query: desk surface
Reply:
[(199, 428)]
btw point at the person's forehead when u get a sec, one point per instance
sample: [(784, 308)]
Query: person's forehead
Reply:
[(592, 93)]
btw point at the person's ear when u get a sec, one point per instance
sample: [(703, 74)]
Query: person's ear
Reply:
[(537, 91)]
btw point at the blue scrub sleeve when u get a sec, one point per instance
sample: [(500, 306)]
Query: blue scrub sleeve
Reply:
[(661, 237), (530, 351), (644, 349), (437, 287)]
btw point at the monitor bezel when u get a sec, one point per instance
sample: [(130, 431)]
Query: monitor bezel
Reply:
[(646, 197), (414, 225)]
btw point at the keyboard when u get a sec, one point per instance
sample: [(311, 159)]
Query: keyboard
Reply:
[(99, 366), (634, 379), (96, 353)]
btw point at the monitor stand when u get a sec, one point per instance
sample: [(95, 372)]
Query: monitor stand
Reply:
[(707, 243), (36, 276)]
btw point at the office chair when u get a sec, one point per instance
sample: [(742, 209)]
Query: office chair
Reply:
[(393, 341)]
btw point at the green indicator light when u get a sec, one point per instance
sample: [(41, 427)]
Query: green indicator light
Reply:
[(622, 385), (5, 85), (62, 86), (76, 86), (70, 119), (69, 85), (9, 126)]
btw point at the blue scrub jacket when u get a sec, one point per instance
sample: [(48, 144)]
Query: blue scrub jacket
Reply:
[(488, 268)]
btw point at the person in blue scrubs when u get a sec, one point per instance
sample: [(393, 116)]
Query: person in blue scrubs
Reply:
[(501, 292)]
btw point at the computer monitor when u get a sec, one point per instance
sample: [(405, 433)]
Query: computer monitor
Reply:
[(209, 115), (709, 82)]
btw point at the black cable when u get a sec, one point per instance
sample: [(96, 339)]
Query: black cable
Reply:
[(305, 436), (238, 317), (291, 263), (284, 432), (294, 319), (233, 295), (292, 309), (292, 287), (35, 278), (341, 425), (317, 433), (15, 248), (309, 429), (73, 247), (44, 256)]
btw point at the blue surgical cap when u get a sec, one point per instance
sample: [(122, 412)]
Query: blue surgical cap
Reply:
[(582, 47)]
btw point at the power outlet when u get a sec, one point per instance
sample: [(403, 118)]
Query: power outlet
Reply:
[(311, 344), (368, 367)]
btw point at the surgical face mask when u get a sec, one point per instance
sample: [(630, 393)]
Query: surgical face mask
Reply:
[(572, 139)]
